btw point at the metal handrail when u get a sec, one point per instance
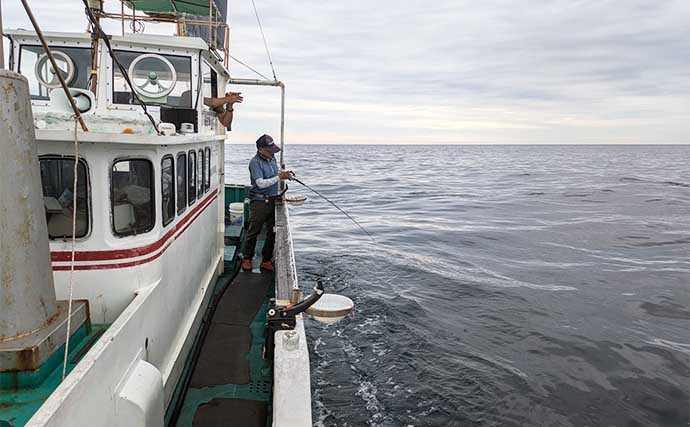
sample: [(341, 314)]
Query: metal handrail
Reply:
[(287, 286), (275, 83)]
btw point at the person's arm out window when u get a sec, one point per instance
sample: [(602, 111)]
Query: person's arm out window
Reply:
[(224, 115)]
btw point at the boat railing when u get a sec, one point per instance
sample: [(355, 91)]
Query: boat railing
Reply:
[(291, 373), (287, 287)]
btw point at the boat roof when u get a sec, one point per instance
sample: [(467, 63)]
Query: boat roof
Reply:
[(195, 7), (194, 43)]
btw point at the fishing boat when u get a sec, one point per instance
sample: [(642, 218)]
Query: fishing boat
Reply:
[(122, 299)]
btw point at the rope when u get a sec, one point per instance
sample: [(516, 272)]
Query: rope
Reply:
[(242, 63), (261, 28), (74, 240)]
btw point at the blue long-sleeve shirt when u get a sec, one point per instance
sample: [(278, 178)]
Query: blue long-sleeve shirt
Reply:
[(264, 177)]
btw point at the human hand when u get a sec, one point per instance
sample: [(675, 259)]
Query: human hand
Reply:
[(233, 97), (285, 174)]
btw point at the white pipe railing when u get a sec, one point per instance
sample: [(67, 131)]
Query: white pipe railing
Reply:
[(275, 83)]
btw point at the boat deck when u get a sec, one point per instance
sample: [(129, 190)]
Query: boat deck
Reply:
[(22, 393), (229, 383)]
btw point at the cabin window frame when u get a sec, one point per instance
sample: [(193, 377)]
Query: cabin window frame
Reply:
[(110, 76), (89, 204), (191, 179), (173, 193), (212, 85), (207, 183), (11, 57), (18, 41), (185, 182), (208, 67), (152, 193), (201, 158)]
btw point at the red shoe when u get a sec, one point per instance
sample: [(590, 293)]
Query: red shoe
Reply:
[(267, 265), (247, 264)]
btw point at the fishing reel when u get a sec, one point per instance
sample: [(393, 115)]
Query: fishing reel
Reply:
[(285, 318)]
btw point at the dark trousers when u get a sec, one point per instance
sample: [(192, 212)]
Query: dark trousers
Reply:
[(260, 212)]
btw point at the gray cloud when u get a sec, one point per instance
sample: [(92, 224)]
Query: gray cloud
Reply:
[(461, 71)]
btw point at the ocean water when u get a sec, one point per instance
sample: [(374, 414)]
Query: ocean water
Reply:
[(508, 285)]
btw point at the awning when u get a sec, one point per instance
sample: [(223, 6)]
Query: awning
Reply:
[(197, 10), (192, 7)]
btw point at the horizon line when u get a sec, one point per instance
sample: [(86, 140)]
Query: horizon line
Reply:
[(479, 143)]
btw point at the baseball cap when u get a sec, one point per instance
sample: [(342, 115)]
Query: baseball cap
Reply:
[(265, 141)]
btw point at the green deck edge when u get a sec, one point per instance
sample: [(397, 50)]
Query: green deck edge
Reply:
[(22, 393), (259, 387)]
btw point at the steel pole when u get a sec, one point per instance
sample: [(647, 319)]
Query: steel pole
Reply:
[(255, 82), (275, 83), (282, 126)]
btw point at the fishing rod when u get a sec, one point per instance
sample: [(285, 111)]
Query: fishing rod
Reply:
[(294, 178)]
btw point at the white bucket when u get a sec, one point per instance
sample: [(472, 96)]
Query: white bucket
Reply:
[(237, 214)]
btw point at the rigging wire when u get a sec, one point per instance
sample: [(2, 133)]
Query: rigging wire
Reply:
[(261, 28), (96, 26), (250, 68)]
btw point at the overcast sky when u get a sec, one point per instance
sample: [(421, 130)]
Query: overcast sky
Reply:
[(453, 71)]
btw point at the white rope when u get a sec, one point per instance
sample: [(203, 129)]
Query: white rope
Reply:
[(74, 239), (261, 28)]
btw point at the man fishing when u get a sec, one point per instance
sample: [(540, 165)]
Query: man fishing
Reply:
[(265, 179)]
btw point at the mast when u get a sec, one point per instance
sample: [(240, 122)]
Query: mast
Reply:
[(96, 7)]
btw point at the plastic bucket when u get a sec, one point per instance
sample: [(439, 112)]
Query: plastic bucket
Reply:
[(237, 214)]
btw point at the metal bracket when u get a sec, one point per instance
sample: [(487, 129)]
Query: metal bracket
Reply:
[(285, 318)]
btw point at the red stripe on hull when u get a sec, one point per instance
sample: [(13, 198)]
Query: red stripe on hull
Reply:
[(113, 255)]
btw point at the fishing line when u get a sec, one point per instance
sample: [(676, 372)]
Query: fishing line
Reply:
[(294, 178)]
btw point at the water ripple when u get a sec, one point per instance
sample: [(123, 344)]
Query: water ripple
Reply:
[(510, 286)]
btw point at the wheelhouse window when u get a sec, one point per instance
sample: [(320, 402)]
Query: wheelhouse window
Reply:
[(158, 79), (132, 196), (74, 64), (181, 182), (210, 77), (202, 173), (207, 177), (168, 189), (57, 179), (191, 175)]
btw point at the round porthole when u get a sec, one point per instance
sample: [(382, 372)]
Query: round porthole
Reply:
[(47, 75), (152, 75)]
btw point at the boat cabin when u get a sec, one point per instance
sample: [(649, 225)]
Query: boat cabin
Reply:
[(170, 74), (148, 204)]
